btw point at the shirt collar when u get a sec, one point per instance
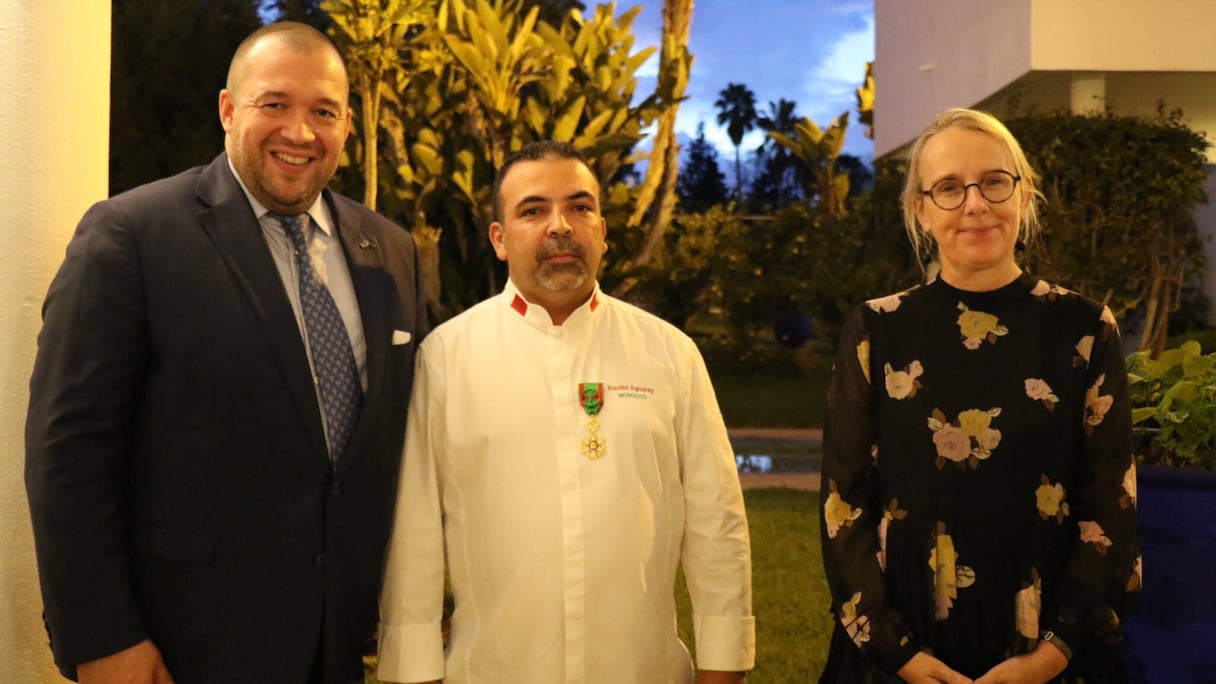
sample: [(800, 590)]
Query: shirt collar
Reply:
[(538, 316), (318, 212)]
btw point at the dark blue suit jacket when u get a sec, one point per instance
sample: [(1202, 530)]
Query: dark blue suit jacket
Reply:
[(176, 466)]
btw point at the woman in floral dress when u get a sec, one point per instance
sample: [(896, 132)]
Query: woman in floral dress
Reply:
[(978, 517)]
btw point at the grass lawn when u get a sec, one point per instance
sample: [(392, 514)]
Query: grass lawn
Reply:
[(772, 402), (789, 595)]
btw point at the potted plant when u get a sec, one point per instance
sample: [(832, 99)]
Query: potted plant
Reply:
[(1173, 399)]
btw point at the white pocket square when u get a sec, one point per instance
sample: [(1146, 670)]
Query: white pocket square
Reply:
[(401, 337)]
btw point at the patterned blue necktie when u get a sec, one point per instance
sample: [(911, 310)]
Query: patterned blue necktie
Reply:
[(332, 358)]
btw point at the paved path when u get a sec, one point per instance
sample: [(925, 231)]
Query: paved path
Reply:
[(804, 481), (791, 434)]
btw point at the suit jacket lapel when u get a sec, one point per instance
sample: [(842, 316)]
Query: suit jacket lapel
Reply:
[(228, 220), (367, 274)]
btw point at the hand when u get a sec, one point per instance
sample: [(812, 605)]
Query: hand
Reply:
[(1038, 666), (925, 669), (720, 677), (140, 664)]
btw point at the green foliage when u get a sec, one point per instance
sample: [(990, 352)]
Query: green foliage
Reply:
[(702, 184), (372, 34), (1206, 339), (1118, 223), (682, 279), (1173, 399), (478, 81), (862, 255), (818, 150), (168, 62)]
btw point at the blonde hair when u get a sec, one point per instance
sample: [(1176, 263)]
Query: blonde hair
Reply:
[(989, 125)]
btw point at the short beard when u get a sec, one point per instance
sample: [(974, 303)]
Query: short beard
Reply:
[(561, 277)]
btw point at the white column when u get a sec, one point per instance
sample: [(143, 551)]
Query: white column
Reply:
[(1088, 93), (54, 138)]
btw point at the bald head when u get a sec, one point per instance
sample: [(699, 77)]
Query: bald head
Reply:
[(289, 35)]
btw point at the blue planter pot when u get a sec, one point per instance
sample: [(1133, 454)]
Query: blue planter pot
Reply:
[(792, 329), (1171, 636)]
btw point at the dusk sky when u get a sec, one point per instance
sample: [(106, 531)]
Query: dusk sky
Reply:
[(813, 52)]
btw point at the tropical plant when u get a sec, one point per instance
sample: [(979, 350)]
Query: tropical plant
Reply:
[(818, 149), (476, 81), (372, 35), (780, 173), (655, 198), (736, 106), (1173, 399), (1118, 221), (555, 12), (865, 101)]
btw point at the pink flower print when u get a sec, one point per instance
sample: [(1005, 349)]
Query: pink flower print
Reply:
[(1085, 347), (863, 357), (886, 304), (972, 439), (952, 444), (1093, 534), (1128, 499), (1045, 289), (882, 542), (1039, 390), (1029, 605), (1096, 405), (1135, 580)]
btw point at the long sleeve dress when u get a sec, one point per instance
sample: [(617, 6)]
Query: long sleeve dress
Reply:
[(978, 483)]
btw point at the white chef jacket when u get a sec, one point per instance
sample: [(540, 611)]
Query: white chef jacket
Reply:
[(563, 567)]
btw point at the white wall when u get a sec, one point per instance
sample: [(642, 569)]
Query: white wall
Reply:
[(54, 133), (1123, 35), (935, 54)]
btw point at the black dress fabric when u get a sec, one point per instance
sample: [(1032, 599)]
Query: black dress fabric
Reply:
[(978, 485)]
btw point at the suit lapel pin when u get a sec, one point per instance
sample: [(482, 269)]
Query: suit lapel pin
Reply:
[(366, 244)]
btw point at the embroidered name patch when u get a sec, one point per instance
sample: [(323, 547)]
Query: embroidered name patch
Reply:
[(631, 391)]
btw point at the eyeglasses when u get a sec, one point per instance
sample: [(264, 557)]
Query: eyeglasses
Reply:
[(950, 194)]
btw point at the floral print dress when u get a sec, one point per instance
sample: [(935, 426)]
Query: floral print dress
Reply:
[(978, 484)]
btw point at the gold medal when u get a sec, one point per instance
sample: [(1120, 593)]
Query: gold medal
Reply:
[(591, 398), (594, 446)]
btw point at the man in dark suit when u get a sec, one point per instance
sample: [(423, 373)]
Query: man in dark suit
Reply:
[(202, 512)]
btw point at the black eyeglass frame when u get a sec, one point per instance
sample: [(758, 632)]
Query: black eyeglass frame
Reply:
[(978, 188)]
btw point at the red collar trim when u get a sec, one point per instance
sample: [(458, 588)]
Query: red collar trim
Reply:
[(520, 306)]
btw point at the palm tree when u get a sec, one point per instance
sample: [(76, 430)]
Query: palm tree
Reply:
[(737, 111), (781, 118)]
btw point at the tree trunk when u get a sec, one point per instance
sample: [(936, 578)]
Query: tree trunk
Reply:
[(663, 172), (369, 90)]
